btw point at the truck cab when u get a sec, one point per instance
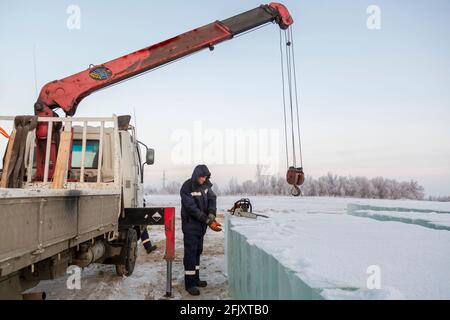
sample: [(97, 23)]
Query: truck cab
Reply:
[(132, 161)]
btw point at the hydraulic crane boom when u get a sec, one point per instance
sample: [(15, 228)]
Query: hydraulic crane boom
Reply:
[(67, 93)]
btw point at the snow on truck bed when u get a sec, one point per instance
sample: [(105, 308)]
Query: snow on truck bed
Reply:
[(321, 250)]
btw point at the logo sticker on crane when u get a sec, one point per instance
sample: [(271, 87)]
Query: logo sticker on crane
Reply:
[(100, 73)]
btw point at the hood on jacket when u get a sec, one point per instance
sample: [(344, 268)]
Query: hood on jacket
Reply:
[(201, 171)]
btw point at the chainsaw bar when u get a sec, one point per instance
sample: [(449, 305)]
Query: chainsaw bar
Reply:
[(240, 213)]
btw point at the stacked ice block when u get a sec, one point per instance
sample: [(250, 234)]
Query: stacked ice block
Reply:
[(308, 250)]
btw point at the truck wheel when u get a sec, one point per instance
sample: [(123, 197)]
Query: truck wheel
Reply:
[(129, 254)]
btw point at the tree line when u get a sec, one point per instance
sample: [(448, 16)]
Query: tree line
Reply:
[(329, 185)]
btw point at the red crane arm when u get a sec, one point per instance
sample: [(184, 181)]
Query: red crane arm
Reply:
[(67, 93)]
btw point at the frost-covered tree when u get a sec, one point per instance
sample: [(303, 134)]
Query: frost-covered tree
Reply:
[(233, 187), (440, 198), (173, 187), (329, 186)]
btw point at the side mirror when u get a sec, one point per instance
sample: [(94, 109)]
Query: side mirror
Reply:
[(150, 157)]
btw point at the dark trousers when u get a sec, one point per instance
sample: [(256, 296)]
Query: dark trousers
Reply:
[(193, 248), (145, 238)]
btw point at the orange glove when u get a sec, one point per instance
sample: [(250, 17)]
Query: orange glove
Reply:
[(215, 226)]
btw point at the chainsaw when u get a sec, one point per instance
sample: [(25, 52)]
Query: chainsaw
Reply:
[(243, 208)]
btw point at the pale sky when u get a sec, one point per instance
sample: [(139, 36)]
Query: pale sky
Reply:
[(373, 102)]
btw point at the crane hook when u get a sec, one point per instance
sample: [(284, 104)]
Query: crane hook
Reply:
[(295, 177), (295, 191)]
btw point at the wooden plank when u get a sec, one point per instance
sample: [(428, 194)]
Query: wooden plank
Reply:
[(100, 153), (30, 148), (48, 149), (62, 160), (83, 151), (68, 128), (4, 182)]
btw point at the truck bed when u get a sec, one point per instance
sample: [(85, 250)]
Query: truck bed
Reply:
[(37, 224)]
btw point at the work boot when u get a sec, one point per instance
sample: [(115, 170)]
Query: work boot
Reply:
[(202, 283), (193, 291), (150, 249)]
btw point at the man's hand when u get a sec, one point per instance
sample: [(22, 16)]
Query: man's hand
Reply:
[(211, 217), (215, 226), (212, 223)]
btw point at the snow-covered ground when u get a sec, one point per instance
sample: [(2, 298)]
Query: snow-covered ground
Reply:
[(148, 280), (334, 253), (328, 248)]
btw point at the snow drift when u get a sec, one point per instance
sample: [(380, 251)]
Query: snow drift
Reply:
[(311, 248)]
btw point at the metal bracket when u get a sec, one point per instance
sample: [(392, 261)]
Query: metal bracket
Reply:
[(142, 217)]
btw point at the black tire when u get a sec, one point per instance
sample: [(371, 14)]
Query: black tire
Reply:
[(129, 254)]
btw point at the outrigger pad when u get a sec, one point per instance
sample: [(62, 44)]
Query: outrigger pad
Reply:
[(295, 176)]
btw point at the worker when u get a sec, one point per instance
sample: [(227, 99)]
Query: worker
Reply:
[(198, 211), (145, 238)]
